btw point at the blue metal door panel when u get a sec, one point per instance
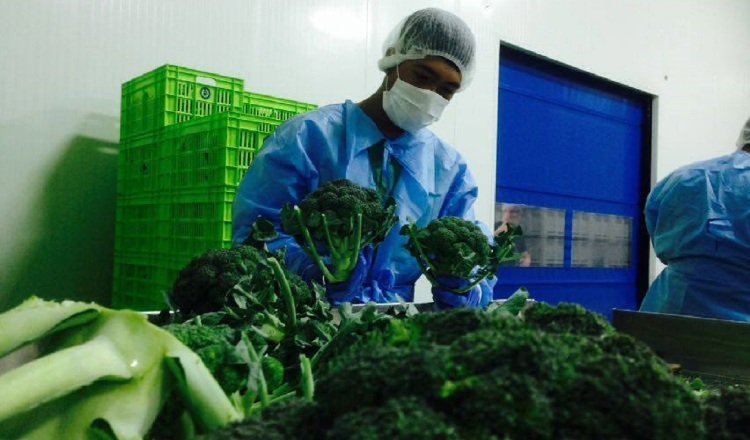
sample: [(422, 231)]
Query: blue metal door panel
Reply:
[(576, 146)]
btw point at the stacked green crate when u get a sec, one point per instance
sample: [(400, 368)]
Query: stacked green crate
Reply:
[(183, 152), (172, 94)]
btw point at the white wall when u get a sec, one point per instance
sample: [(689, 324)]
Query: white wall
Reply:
[(63, 63)]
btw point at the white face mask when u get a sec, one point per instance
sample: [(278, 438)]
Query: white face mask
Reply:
[(412, 108)]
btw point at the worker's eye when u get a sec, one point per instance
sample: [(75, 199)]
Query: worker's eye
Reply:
[(421, 79), (446, 92)]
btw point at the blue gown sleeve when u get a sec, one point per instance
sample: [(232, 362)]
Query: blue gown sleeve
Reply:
[(281, 173), (459, 202)]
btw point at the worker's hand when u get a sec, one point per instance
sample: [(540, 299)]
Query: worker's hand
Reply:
[(343, 292), (445, 299), (312, 273)]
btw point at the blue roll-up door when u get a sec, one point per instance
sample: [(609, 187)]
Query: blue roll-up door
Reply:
[(572, 169)]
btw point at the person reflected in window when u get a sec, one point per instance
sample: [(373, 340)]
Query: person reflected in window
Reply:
[(513, 215)]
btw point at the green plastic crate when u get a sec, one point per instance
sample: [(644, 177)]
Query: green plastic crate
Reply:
[(175, 225), (277, 109), (156, 236), (187, 139), (202, 153), (142, 281), (172, 94)]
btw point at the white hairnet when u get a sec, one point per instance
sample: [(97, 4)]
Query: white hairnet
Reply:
[(431, 31), (744, 138)]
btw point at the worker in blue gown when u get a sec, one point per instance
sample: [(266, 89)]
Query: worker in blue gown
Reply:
[(381, 143), (699, 221)]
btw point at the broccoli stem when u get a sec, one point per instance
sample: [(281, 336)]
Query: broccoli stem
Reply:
[(308, 385), (345, 255), (286, 294), (357, 239), (275, 398), (423, 261), (335, 255), (262, 385), (311, 246)]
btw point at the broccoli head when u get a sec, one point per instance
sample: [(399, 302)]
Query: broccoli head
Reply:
[(408, 418), (215, 345), (372, 373), (727, 413), (452, 247), (335, 222), (566, 318), (203, 285), (287, 419), (217, 279)]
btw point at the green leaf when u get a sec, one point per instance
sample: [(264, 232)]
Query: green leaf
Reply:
[(36, 318), (263, 230)]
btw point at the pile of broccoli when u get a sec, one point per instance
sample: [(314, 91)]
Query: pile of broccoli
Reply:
[(250, 320), (471, 374), (207, 282), (334, 223), (457, 249), (259, 329)]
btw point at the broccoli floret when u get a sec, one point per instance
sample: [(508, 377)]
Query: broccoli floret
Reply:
[(335, 222), (445, 328), (203, 285), (252, 292), (727, 413), (215, 345), (608, 393), (473, 404), (452, 247), (210, 282), (288, 419), (250, 429), (407, 418), (372, 373), (566, 318)]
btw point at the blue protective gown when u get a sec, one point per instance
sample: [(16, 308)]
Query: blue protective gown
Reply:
[(699, 222), (331, 143)]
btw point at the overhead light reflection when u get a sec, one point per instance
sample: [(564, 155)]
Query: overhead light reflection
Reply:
[(339, 24)]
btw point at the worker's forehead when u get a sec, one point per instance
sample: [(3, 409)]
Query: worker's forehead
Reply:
[(433, 61)]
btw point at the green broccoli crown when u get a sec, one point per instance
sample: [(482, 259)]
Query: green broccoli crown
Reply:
[(204, 285), (215, 345), (408, 418), (340, 201), (287, 419), (340, 197), (566, 318), (380, 372), (454, 246), (727, 412), (336, 221)]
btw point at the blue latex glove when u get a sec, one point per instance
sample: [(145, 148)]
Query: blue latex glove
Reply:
[(347, 291), (446, 299), (311, 273)]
